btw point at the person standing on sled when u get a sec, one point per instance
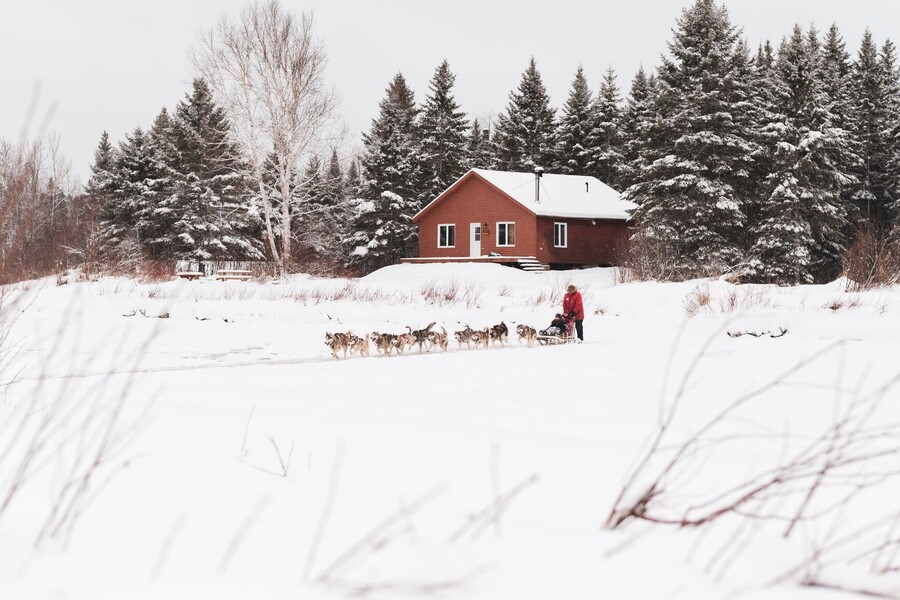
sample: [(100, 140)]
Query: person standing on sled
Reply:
[(573, 309)]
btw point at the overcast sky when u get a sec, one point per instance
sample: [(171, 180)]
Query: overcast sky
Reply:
[(112, 64)]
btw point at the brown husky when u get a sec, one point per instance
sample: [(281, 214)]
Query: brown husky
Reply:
[(481, 337), (403, 341), (420, 336), (464, 337), (438, 339), (529, 334), (359, 344), (384, 342), (337, 342), (500, 333)]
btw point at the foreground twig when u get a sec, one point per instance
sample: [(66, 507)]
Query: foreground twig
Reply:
[(241, 534), (327, 508), (377, 539), (477, 522)]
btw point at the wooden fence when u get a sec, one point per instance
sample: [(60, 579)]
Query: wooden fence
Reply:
[(209, 268)]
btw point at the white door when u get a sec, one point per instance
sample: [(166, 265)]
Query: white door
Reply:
[(475, 239)]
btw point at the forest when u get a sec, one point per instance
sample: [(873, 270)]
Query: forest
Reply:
[(768, 162)]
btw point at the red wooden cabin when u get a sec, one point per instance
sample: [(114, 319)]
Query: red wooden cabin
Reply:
[(561, 221)]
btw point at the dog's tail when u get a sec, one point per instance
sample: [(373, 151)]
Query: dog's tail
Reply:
[(430, 325), (444, 329)]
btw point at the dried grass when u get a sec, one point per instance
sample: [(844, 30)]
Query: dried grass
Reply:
[(846, 301), (696, 300), (871, 261), (734, 299)]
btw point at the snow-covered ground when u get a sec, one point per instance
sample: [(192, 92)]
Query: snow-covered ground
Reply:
[(239, 460)]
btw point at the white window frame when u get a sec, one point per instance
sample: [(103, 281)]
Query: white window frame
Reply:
[(449, 226), (507, 224), (560, 241)]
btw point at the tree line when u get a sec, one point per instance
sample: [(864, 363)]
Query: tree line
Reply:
[(769, 163)]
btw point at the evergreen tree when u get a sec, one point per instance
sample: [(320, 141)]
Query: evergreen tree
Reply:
[(749, 115), (209, 205), (892, 129), (442, 130), (392, 145), (381, 228), (606, 142), (525, 135), (335, 186), (768, 122), (636, 121), (871, 79), (801, 231), (97, 194), (98, 186), (313, 185), (316, 219), (573, 135), (479, 151), (382, 231), (892, 92), (336, 189), (835, 78), (158, 211), (353, 187), (695, 178), (136, 182)]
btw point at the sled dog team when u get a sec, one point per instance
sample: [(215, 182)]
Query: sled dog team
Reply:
[(426, 339)]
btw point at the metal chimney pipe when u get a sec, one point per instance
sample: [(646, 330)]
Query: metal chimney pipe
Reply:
[(538, 172)]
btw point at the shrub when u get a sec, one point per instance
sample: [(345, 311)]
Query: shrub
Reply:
[(696, 300), (871, 261)]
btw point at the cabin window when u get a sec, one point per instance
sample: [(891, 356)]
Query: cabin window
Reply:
[(560, 235), (506, 234), (446, 236)]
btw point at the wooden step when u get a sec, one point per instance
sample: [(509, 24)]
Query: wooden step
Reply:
[(532, 265)]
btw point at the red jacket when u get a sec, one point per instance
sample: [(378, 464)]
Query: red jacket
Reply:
[(572, 304)]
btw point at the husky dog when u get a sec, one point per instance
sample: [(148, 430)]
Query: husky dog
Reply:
[(529, 334), (438, 339), (464, 337), (500, 333), (420, 337), (384, 342), (402, 341), (359, 344), (337, 342), (481, 337)]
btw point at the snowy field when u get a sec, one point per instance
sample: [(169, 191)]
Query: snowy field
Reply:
[(222, 453)]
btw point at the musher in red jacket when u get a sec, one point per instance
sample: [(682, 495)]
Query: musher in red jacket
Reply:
[(573, 309)]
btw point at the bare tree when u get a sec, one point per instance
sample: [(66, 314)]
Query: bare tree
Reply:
[(268, 71), (38, 217)]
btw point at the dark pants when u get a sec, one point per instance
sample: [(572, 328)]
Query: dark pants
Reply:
[(579, 329)]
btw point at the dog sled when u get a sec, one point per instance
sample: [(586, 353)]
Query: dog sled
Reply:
[(563, 338), (561, 331)]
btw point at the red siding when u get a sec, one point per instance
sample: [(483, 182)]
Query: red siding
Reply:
[(473, 200), (591, 242)]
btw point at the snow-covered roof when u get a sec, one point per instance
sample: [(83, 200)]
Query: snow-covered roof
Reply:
[(561, 195)]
